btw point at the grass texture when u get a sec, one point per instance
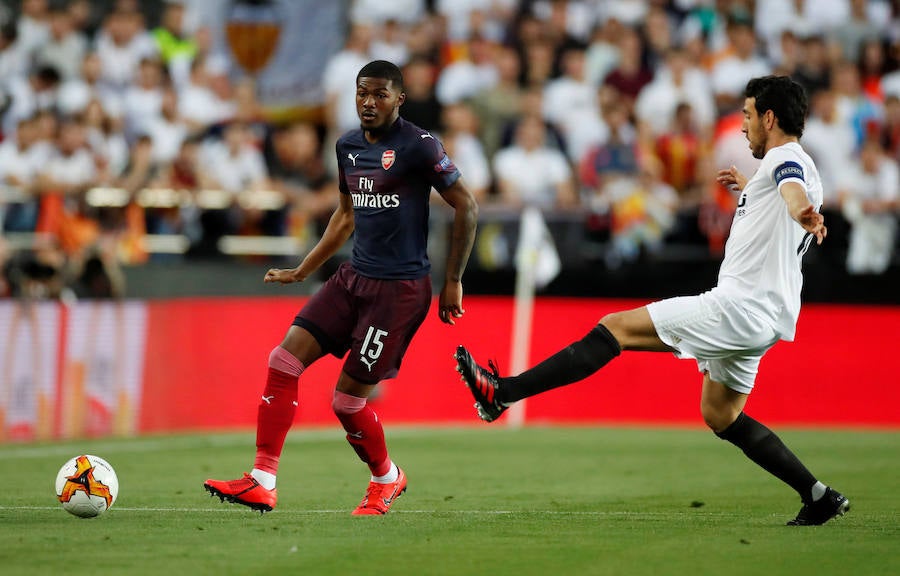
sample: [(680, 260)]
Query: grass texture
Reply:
[(481, 500)]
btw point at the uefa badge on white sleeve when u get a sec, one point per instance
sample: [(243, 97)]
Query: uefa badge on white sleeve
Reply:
[(87, 486)]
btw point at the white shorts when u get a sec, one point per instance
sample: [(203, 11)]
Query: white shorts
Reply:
[(725, 338)]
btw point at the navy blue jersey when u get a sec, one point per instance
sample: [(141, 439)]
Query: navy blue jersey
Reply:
[(390, 182)]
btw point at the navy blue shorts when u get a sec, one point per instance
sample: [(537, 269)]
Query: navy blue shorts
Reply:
[(374, 319)]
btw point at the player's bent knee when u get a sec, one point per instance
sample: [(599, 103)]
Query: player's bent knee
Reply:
[(615, 323), (715, 417), (344, 404), (623, 328), (283, 361)]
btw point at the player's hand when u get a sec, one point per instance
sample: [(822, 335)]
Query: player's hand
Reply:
[(813, 222), (281, 275), (450, 303), (731, 178)]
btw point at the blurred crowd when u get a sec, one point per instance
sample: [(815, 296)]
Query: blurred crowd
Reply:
[(620, 111)]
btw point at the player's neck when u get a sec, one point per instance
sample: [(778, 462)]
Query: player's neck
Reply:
[(779, 138), (373, 136)]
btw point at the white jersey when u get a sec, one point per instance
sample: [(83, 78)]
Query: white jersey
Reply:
[(764, 249)]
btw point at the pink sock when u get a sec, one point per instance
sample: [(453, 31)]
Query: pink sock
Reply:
[(364, 431)]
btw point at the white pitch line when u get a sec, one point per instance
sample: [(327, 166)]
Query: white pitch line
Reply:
[(233, 510)]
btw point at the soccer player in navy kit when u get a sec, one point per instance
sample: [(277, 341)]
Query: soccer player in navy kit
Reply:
[(373, 305)]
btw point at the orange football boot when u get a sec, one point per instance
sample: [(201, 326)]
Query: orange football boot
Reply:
[(246, 491), (379, 497)]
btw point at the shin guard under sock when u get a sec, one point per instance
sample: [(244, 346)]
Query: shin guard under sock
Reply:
[(364, 431), (277, 407), (768, 451), (575, 362)]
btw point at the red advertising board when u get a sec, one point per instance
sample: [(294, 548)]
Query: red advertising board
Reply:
[(104, 368), (206, 360)]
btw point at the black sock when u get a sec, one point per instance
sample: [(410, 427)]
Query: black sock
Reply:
[(571, 364), (766, 449)]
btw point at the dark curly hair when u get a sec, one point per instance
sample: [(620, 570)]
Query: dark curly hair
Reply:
[(784, 97), (382, 69)]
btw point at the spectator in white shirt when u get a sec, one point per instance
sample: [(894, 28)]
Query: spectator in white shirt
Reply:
[(390, 43), (20, 159), (143, 100), (71, 169), (489, 18), (470, 76), (460, 139), (235, 163), (731, 74), (198, 104), (869, 199), (65, 47), (33, 25), (830, 141), (29, 95), (339, 80), (13, 61), (378, 11), (77, 92), (826, 15), (602, 56), (677, 82), (122, 44), (106, 141), (17, 166), (575, 19), (167, 130), (570, 102), (530, 173)]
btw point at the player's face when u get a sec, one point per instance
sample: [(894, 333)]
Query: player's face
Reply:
[(753, 128), (377, 103)]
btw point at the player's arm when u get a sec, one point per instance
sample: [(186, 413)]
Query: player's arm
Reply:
[(465, 219), (802, 210), (339, 229)]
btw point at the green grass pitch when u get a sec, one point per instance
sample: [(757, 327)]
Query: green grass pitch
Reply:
[(481, 500)]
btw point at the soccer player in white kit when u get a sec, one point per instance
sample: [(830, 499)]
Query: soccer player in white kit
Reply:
[(727, 330)]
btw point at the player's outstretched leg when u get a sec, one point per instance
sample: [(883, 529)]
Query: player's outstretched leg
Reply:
[(246, 491), (484, 384), (575, 362), (820, 511)]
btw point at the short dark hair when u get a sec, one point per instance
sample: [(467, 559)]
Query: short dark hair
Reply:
[(784, 97), (382, 69)]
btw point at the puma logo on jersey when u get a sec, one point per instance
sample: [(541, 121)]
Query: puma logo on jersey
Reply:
[(268, 399), (368, 363), (352, 157), (426, 135)]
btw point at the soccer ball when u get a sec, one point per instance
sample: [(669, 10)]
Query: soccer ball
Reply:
[(87, 486)]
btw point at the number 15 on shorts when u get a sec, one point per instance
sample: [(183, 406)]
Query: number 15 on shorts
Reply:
[(372, 346)]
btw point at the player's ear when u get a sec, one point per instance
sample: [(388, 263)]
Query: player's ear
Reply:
[(401, 98)]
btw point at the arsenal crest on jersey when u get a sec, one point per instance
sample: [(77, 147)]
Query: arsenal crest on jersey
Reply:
[(387, 159)]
